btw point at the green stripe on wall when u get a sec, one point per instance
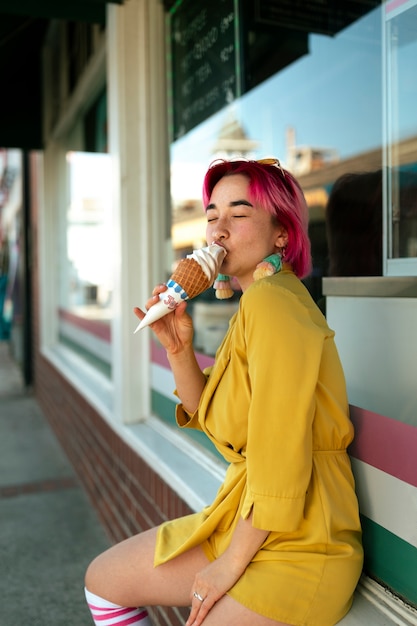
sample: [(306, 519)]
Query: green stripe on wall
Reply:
[(391, 560), (92, 359), (165, 409)]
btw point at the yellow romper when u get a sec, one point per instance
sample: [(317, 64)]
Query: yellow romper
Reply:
[(275, 407)]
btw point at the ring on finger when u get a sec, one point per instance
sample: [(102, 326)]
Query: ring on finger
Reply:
[(198, 597)]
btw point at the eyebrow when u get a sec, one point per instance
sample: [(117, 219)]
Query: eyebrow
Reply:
[(233, 203)]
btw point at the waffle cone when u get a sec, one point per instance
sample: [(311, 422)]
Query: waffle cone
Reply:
[(191, 277)]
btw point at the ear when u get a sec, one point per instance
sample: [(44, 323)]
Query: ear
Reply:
[(281, 239)]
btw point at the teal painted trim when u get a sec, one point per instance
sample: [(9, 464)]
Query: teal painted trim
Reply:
[(94, 361), (165, 409), (390, 560)]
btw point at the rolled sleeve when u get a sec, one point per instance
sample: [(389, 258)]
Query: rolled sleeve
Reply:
[(185, 419)]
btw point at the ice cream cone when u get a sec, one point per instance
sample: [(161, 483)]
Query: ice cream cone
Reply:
[(192, 276)]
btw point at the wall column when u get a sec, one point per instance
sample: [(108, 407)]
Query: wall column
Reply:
[(138, 143)]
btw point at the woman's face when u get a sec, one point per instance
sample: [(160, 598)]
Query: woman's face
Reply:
[(247, 232)]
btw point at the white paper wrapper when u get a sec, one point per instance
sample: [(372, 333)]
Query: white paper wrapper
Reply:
[(168, 301)]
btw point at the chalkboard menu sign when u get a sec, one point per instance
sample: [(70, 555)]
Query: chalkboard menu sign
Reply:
[(312, 15), (204, 53)]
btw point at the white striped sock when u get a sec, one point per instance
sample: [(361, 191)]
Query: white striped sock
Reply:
[(107, 613)]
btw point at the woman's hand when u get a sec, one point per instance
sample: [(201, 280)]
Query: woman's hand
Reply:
[(216, 579), (174, 330), (211, 584)]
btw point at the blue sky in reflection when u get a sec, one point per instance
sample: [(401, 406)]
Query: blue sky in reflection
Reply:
[(332, 98)]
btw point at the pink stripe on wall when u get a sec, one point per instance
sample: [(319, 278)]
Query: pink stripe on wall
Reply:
[(159, 357), (386, 444), (94, 327)]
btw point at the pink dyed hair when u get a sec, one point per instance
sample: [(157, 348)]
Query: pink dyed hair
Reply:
[(276, 191)]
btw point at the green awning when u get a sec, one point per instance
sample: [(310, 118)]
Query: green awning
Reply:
[(72, 10), (23, 26)]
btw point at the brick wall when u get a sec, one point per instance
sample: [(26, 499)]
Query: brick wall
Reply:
[(128, 495)]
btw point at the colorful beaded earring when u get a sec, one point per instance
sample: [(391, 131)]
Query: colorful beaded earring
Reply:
[(268, 266), (223, 287)]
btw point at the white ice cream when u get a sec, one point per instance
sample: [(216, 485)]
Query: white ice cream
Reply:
[(209, 259)]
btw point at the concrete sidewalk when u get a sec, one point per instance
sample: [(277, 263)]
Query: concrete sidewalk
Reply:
[(49, 531)]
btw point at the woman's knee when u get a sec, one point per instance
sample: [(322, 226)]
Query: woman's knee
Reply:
[(118, 570), (93, 574)]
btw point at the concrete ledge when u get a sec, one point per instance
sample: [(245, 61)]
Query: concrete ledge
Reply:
[(371, 286), (376, 606)]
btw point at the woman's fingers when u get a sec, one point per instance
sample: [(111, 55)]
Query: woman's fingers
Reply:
[(199, 608), (159, 289)]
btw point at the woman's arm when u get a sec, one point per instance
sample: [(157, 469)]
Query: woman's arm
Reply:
[(175, 333), (217, 578), (245, 543), (189, 379)]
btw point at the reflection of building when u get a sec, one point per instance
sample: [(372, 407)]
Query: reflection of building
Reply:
[(304, 159), (316, 183), (188, 225), (232, 140)]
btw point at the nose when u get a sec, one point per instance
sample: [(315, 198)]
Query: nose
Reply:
[(220, 231)]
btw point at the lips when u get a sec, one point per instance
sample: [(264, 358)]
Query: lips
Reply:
[(219, 243)]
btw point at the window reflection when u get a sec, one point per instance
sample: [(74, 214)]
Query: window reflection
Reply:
[(354, 225), (321, 114), (86, 283), (400, 21)]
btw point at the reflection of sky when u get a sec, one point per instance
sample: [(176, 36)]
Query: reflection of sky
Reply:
[(332, 97), (89, 233), (90, 176), (403, 34)]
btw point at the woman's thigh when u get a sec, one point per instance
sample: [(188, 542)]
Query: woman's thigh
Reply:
[(228, 612), (125, 574)]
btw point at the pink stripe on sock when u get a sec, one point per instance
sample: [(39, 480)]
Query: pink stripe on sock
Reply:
[(101, 614), (106, 613), (135, 619)]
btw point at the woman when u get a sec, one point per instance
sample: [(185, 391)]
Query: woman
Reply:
[(281, 543)]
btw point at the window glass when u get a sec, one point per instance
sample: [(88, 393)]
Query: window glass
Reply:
[(318, 108), (400, 22), (86, 284)]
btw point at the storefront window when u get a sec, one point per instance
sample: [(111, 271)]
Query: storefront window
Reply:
[(86, 284), (316, 105), (400, 30)]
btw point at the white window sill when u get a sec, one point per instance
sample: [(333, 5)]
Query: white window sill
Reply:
[(375, 606)]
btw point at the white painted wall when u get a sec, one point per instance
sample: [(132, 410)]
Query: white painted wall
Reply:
[(377, 342)]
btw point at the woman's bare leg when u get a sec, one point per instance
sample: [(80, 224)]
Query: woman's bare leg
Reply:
[(125, 574), (228, 612)]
